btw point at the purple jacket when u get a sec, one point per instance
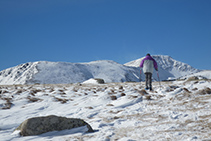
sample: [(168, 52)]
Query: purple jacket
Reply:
[(148, 64)]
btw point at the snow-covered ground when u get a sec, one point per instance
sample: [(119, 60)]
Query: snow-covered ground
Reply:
[(179, 110), (205, 74)]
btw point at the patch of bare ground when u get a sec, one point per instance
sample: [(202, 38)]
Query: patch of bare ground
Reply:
[(62, 100), (8, 104), (33, 99), (204, 91)]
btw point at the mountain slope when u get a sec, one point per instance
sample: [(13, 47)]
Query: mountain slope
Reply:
[(168, 67), (205, 74), (44, 72), (19, 74)]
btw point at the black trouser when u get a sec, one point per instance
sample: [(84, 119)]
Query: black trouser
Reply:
[(148, 79)]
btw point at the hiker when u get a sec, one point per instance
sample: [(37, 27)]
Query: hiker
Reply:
[(148, 64)]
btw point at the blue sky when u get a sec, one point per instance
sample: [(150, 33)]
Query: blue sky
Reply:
[(119, 30)]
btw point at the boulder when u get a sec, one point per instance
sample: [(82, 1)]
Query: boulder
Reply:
[(193, 78), (94, 81), (39, 125), (100, 81)]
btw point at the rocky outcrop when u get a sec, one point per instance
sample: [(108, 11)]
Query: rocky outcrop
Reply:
[(94, 81), (100, 81), (39, 125)]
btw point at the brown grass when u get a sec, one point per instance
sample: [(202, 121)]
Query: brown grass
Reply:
[(109, 105), (148, 97), (194, 89), (33, 99), (132, 96), (8, 103), (33, 92), (121, 87), (113, 97), (204, 91), (61, 100), (3, 91), (19, 91), (123, 94), (186, 90), (142, 92)]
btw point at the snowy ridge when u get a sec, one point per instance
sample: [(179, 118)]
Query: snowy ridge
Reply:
[(176, 68), (44, 72), (205, 74), (19, 74), (168, 67)]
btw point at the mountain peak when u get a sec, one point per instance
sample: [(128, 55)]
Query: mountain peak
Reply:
[(167, 65), (45, 72)]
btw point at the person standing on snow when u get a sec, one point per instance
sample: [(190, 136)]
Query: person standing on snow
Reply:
[(148, 64)]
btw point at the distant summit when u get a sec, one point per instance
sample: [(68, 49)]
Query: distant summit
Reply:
[(167, 67), (44, 72)]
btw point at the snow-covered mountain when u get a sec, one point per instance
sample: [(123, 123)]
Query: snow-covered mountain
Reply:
[(168, 67), (205, 74), (44, 72)]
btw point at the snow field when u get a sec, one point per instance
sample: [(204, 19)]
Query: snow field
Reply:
[(178, 110)]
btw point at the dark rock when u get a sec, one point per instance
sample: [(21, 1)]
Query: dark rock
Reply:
[(204, 91), (100, 81), (113, 97)]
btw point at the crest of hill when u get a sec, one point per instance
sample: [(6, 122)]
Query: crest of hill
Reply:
[(167, 66), (44, 72)]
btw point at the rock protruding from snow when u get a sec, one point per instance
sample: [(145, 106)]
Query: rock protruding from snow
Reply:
[(40, 125), (94, 81)]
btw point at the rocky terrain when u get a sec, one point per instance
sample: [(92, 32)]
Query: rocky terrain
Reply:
[(177, 110)]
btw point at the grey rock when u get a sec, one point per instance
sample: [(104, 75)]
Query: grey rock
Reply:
[(40, 125)]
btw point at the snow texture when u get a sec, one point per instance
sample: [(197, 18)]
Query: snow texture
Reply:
[(178, 110)]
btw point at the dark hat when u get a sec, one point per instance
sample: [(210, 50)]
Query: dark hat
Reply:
[(148, 54)]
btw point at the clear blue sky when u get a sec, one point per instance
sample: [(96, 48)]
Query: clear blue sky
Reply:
[(119, 30)]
